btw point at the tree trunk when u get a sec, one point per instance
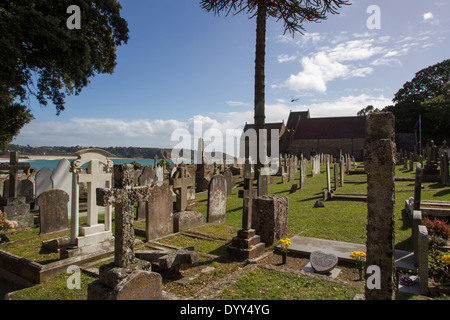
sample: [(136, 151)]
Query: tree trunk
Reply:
[(260, 77)]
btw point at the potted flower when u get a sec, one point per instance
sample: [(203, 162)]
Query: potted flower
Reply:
[(285, 243), (5, 225), (360, 260), (407, 279)]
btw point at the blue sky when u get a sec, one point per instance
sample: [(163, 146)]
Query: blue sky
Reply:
[(184, 66)]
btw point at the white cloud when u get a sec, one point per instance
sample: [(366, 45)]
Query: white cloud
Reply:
[(428, 16), (330, 64), (238, 104), (285, 58)]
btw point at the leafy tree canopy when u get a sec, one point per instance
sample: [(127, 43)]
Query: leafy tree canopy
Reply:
[(42, 57), (426, 95), (292, 12)]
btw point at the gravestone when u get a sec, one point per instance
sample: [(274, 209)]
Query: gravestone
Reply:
[(159, 173), (323, 263), (270, 218), (53, 211), (170, 259), (229, 180), (379, 161), (14, 206), (123, 195), (423, 259), (25, 189), (336, 176), (62, 180), (202, 173), (94, 236), (302, 181), (145, 179), (182, 183), (43, 181), (247, 244), (417, 221), (342, 168), (417, 187), (444, 169), (14, 167), (328, 176), (159, 214), (263, 185), (217, 200)]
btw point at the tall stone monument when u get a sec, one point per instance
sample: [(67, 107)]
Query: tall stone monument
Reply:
[(379, 161)]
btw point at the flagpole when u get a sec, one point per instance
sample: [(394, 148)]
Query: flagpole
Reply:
[(420, 133)]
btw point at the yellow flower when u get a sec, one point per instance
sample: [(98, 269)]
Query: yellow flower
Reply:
[(358, 254), (446, 258)]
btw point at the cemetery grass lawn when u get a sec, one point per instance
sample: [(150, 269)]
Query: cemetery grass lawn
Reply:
[(265, 284), (56, 289)]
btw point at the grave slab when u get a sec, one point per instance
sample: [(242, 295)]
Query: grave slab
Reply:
[(306, 245)]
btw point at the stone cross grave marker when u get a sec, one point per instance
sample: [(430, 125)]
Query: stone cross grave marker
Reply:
[(94, 236), (182, 182), (124, 196), (247, 244), (248, 195), (14, 167), (53, 211)]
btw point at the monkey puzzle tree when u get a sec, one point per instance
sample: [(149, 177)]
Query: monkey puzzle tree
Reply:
[(293, 13)]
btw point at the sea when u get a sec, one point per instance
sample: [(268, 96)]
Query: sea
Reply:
[(37, 164)]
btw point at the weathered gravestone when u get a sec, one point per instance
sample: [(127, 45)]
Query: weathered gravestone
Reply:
[(159, 214), (323, 263), (145, 179), (217, 200), (229, 180), (302, 179), (379, 161), (170, 260), (14, 206), (53, 211), (270, 218), (127, 278), (263, 185), (25, 189)]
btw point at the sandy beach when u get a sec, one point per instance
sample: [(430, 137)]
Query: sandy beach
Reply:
[(41, 157)]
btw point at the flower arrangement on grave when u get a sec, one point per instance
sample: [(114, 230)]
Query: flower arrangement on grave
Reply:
[(438, 230), (406, 279), (285, 243), (439, 266), (360, 260), (6, 225)]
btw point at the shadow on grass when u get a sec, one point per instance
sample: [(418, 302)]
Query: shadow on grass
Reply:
[(442, 193)]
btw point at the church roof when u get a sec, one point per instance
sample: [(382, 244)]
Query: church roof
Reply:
[(294, 118), (331, 128)]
